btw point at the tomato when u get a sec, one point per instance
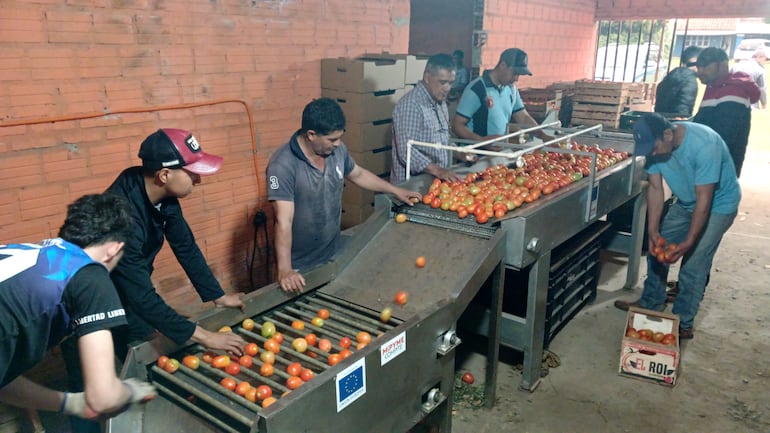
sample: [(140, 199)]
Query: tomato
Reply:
[(499, 213), (344, 353), (162, 361), (191, 361), (669, 340), (334, 359), (468, 378), (656, 249), (251, 349), (272, 346), (278, 337), (311, 339), (345, 341), (251, 395), (661, 256), (299, 344), (247, 324), (324, 345), (242, 388), (225, 329), (228, 382), (363, 337), (233, 369), (268, 401), (400, 218), (631, 330), (386, 314), (361, 345), (401, 297), (293, 382), (298, 325), (221, 361), (268, 329), (266, 369), (317, 322), (420, 262), (208, 357), (661, 241), (294, 369), (171, 366), (263, 392), (246, 361), (645, 334), (306, 375), (481, 218), (267, 357), (657, 337), (462, 213)]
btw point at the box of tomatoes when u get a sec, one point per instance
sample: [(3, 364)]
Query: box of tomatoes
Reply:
[(650, 346)]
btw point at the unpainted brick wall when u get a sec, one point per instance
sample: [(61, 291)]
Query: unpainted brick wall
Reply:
[(62, 59), (559, 37)]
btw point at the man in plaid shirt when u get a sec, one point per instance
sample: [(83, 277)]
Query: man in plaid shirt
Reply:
[(422, 115)]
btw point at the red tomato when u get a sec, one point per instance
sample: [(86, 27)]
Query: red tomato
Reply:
[(400, 298), (228, 382), (657, 337), (334, 359), (242, 387), (233, 369), (268, 401), (266, 370), (293, 382), (661, 241), (344, 353), (360, 345), (323, 313), (345, 341), (468, 378), (162, 361), (171, 366), (208, 357), (246, 361), (251, 349), (272, 346), (263, 392), (221, 361), (294, 369), (363, 337), (481, 218), (251, 395), (278, 337), (324, 345), (191, 361), (420, 262), (435, 203), (307, 374), (298, 325), (311, 339)]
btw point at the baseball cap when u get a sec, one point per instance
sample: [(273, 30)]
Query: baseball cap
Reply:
[(177, 148), (517, 59), (711, 55), (644, 137)]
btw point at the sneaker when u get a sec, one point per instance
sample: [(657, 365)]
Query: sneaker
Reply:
[(625, 305), (685, 334)]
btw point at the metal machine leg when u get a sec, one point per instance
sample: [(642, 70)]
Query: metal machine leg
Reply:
[(493, 335), (535, 323), (637, 237)]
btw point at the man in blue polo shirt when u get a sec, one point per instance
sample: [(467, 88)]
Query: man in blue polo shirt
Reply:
[(305, 179), (491, 100), (697, 166)]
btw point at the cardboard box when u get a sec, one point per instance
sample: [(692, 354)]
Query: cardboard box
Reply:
[(377, 161), (415, 65), (362, 75), (363, 137), (354, 214), (649, 360), (365, 107)]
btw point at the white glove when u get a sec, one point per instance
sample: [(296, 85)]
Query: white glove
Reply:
[(75, 402)]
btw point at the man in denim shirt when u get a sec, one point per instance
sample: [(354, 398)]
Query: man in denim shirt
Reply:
[(696, 164), (422, 115)]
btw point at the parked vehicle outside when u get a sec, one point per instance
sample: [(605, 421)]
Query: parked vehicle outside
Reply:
[(747, 47)]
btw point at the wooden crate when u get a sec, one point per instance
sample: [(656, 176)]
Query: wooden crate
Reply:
[(539, 102), (609, 92)]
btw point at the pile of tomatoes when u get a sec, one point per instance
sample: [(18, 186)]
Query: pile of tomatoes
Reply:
[(259, 361), (500, 189), (650, 335)]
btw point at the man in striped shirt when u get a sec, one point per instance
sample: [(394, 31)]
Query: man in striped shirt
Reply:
[(726, 104)]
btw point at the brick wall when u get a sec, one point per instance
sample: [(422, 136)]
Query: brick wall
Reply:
[(657, 9), (63, 59), (559, 37)]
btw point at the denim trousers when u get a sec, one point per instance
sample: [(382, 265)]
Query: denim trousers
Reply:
[(695, 266)]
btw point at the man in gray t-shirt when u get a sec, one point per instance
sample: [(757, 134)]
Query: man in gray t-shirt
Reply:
[(305, 179)]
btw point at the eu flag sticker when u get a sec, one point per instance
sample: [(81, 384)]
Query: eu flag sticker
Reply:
[(350, 384)]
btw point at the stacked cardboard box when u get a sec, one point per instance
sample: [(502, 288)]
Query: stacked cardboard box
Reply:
[(367, 88), (602, 102)]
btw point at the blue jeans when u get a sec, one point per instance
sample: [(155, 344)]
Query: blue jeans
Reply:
[(695, 267)]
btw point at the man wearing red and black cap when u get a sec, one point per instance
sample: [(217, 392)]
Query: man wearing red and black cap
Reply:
[(489, 101)]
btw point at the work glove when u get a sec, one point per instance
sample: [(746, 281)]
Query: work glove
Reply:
[(75, 402)]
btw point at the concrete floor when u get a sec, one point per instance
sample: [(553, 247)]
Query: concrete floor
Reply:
[(723, 379)]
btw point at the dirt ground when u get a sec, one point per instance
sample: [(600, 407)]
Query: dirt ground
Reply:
[(724, 377)]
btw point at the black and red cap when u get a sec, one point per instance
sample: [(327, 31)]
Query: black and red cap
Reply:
[(177, 148)]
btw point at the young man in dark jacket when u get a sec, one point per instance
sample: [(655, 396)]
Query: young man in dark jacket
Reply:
[(677, 92), (726, 105)]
